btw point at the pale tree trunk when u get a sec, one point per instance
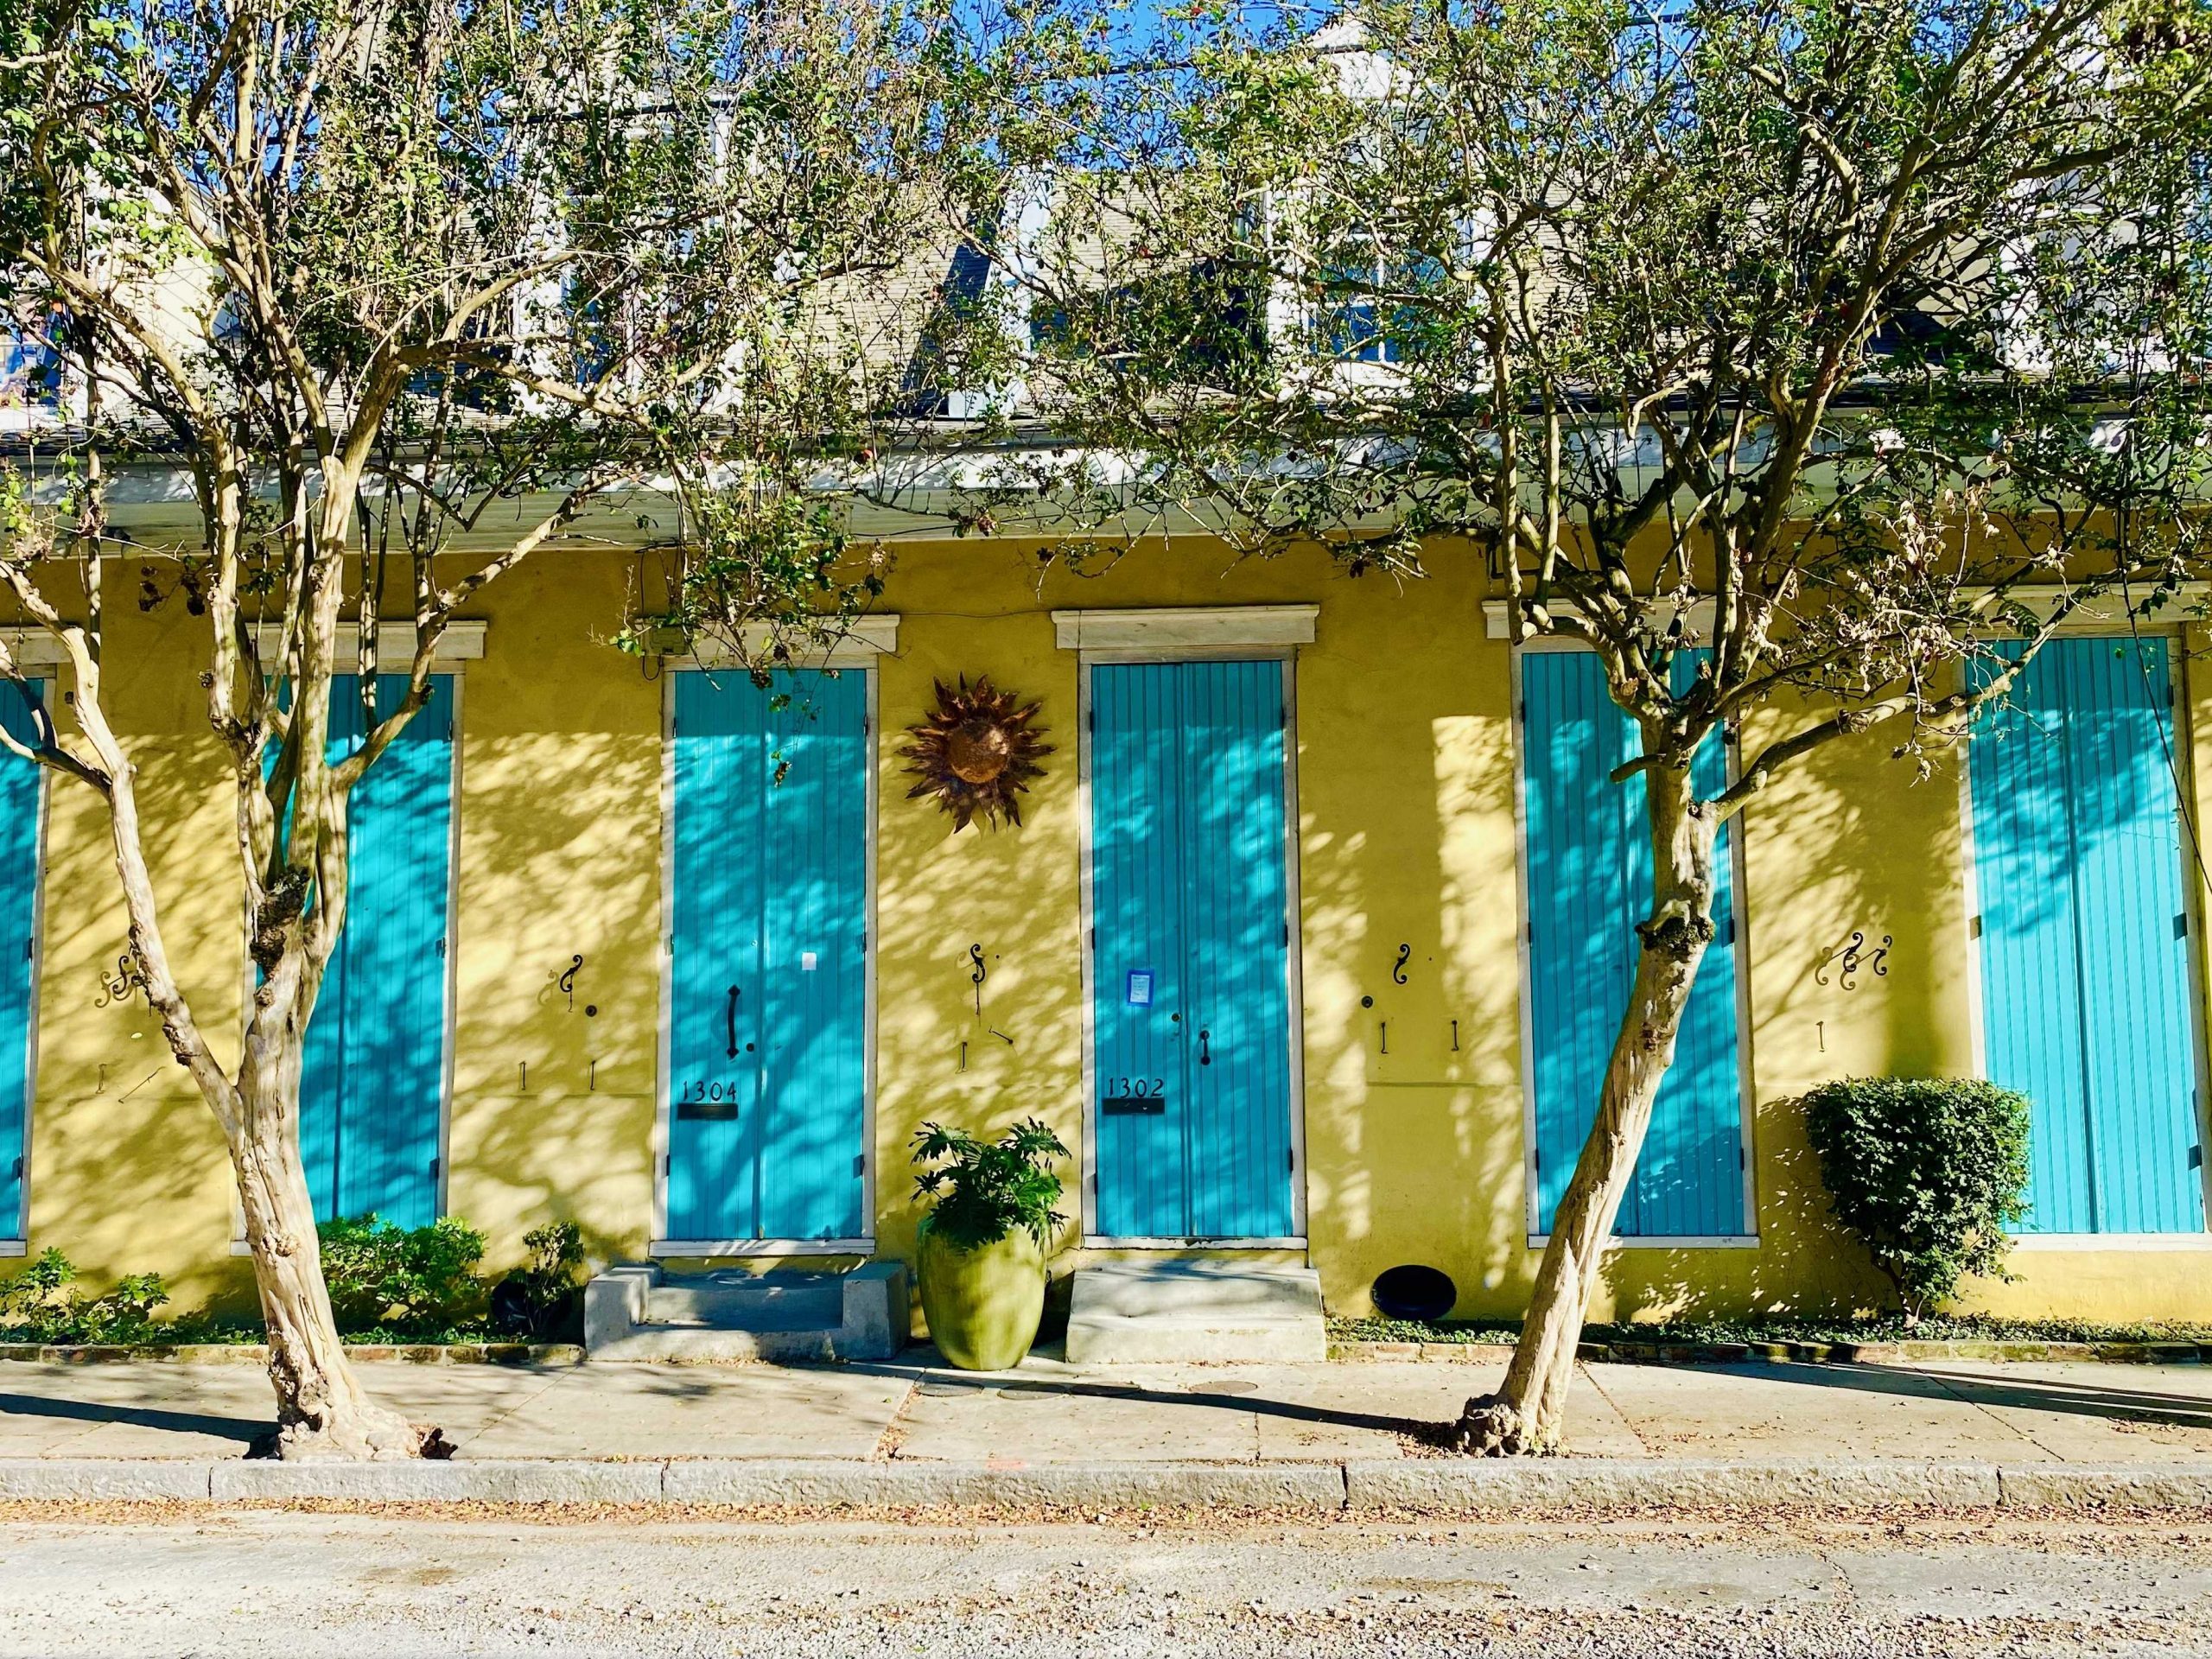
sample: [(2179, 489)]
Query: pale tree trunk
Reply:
[(322, 1409), (1528, 1412)]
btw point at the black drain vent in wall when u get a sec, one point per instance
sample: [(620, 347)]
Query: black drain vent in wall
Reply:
[(1415, 1293)]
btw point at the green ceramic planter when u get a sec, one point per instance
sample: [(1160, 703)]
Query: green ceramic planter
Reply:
[(982, 1304)]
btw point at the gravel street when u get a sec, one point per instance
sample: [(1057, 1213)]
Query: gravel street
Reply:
[(187, 1580)]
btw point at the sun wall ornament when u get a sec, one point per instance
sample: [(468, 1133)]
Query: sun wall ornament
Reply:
[(975, 752)]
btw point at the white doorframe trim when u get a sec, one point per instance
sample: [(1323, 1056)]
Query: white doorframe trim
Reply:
[(865, 662), (1170, 632), (1293, 975), (1739, 947)]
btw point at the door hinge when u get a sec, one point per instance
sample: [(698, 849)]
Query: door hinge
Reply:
[(1741, 1162), (1285, 935), (860, 1163), (1290, 1160), (2195, 1159), (1973, 928), (1091, 718), (30, 948), (435, 1162), (1728, 936), (19, 1169), (1529, 928), (2181, 925), (442, 947)]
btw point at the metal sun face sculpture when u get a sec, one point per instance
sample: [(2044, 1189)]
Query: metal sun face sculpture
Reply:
[(975, 752)]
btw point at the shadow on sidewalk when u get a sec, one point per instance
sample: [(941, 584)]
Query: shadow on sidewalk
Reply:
[(2101, 1400), (1225, 1395), (244, 1430)]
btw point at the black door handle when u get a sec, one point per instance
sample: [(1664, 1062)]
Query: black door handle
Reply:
[(729, 1019), (1204, 1057)]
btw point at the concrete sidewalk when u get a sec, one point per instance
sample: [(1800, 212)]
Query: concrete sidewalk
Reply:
[(914, 1410), (916, 1432)]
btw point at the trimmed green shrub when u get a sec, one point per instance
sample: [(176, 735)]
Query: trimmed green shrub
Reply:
[(380, 1275), (982, 1190), (539, 1300), (37, 1305), (1927, 1172)]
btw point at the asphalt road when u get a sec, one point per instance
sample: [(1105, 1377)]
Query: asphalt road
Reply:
[(300, 1584)]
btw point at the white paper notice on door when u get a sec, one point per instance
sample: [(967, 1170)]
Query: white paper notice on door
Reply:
[(806, 962)]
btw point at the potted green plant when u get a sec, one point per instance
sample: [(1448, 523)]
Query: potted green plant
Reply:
[(982, 1253)]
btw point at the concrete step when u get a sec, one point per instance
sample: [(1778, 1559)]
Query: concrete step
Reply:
[(740, 1301), (1183, 1310), (640, 1311)]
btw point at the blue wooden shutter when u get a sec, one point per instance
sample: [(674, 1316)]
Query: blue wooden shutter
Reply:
[(2084, 953), (768, 955), (1137, 807), (19, 796), (373, 1083), (715, 947), (813, 959), (1589, 871), (1231, 740)]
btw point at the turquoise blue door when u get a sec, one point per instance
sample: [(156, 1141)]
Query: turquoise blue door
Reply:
[(767, 1084), (1191, 954), (2085, 979), (19, 796), (372, 1080), (1589, 879)]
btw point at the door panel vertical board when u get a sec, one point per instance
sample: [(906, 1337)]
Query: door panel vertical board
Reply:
[(1235, 898), (1137, 858), (813, 961)]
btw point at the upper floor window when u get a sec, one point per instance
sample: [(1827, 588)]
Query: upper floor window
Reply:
[(30, 364), (1373, 305)]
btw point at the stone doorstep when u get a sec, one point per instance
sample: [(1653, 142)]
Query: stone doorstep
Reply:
[(1836, 1353), (1408, 1485), (256, 1353)]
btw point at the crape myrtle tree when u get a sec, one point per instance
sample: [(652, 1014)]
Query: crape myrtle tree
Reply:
[(1810, 364), (377, 276)]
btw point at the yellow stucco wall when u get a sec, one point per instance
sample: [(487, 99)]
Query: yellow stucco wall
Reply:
[(1405, 780)]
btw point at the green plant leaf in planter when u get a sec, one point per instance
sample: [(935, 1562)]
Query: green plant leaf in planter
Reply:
[(979, 1190)]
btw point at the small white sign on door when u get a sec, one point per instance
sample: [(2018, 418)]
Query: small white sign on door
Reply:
[(806, 962), (1140, 991)]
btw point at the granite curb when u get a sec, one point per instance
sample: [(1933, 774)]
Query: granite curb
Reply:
[(1402, 1486), (257, 1353), (1794, 1353)]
